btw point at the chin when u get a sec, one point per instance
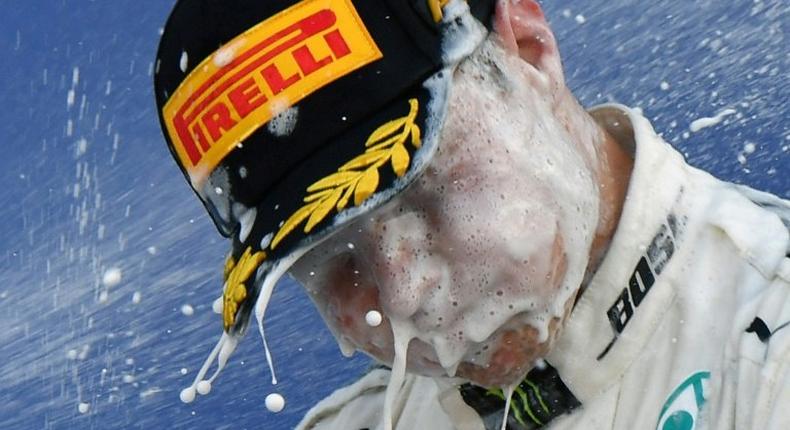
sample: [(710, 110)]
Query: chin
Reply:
[(495, 375), (502, 360), (504, 369)]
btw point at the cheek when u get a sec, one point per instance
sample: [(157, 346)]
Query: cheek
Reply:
[(344, 299), (402, 261)]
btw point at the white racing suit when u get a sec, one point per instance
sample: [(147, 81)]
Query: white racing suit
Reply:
[(685, 325)]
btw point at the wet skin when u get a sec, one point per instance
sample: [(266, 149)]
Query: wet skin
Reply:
[(474, 227), (488, 249)]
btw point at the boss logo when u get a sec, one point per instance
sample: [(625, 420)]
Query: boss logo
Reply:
[(649, 267)]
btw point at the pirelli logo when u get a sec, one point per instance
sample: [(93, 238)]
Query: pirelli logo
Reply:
[(268, 68)]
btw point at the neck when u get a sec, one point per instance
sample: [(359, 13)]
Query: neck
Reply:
[(614, 174), (613, 166)]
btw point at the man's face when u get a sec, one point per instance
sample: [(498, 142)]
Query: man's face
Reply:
[(479, 260)]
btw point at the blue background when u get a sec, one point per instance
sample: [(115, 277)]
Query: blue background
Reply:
[(89, 186)]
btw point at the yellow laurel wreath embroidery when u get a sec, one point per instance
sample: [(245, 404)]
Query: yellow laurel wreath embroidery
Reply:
[(436, 8), (230, 263), (360, 176), (236, 274)]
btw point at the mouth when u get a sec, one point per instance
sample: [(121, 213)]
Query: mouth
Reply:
[(514, 353), (502, 359)]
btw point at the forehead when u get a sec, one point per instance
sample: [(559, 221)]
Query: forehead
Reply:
[(472, 156)]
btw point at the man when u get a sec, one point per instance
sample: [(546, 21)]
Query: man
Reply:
[(501, 239)]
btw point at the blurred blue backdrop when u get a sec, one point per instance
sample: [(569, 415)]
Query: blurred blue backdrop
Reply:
[(88, 186)]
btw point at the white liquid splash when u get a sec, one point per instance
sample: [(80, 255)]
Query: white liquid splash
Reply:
[(508, 392), (402, 335), (373, 318), (269, 282), (222, 351), (275, 402), (699, 124)]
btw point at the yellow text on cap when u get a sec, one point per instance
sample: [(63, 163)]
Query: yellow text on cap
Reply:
[(260, 73)]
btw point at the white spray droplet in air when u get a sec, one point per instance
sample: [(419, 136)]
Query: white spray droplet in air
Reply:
[(82, 146), (184, 61), (70, 98), (216, 306), (187, 395), (247, 220), (275, 402), (84, 407), (266, 240), (187, 310), (184, 371), (373, 318), (699, 124), (111, 277), (136, 298), (83, 354), (204, 387)]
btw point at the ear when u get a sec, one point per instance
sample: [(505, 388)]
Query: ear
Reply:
[(524, 31)]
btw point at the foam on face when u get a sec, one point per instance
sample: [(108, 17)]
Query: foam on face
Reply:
[(462, 34), (494, 236), (508, 187)]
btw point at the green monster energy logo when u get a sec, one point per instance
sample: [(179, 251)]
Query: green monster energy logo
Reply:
[(536, 401), (526, 400)]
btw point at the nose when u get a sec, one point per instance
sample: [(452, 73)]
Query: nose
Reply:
[(412, 289), (391, 253)]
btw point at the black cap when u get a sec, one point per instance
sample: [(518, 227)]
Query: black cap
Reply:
[(289, 118)]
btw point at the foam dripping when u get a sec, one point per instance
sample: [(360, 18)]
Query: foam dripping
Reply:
[(262, 302), (402, 336), (508, 392), (221, 352), (227, 343)]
